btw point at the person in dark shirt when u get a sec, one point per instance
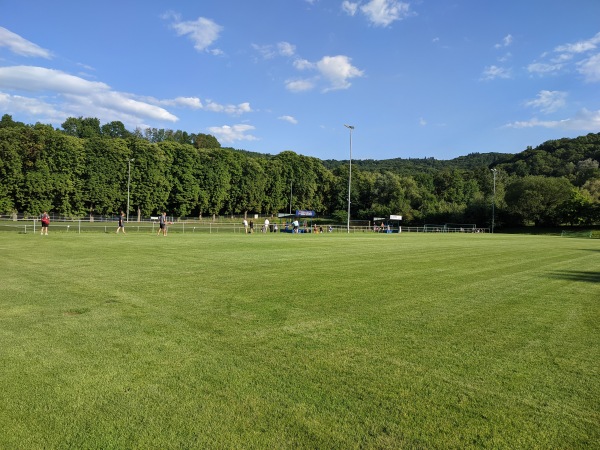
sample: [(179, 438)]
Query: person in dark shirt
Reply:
[(162, 221), (121, 223)]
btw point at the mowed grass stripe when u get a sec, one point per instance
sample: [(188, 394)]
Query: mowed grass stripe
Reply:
[(328, 341)]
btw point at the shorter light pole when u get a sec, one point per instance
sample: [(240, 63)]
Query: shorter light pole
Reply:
[(291, 185), (494, 200), (129, 161), (350, 127)]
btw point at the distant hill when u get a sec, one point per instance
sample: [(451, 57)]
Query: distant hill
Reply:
[(416, 165), (556, 158)]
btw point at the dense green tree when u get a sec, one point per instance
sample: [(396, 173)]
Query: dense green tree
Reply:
[(578, 209), (106, 173), (278, 194), (305, 180), (216, 181), (205, 141), (80, 127), (252, 187), (8, 122), (11, 165), (84, 168), (592, 188), (586, 170), (185, 190), (115, 129), (538, 199), (66, 163), (36, 193)]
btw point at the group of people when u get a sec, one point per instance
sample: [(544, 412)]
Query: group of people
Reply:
[(382, 228), (249, 227), (162, 223)]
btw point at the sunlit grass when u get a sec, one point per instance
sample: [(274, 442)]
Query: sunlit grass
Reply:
[(293, 341)]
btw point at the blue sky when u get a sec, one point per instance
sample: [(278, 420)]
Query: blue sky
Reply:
[(417, 79)]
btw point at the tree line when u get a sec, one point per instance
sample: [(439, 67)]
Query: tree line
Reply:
[(85, 168)]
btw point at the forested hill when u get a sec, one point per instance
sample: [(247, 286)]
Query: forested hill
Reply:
[(407, 166), (556, 158), (87, 168)]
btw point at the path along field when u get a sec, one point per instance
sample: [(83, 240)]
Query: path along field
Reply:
[(299, 341)]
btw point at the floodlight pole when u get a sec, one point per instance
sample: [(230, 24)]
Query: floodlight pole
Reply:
[(494, 200), (129, 161), (291, 185), (350, 127)]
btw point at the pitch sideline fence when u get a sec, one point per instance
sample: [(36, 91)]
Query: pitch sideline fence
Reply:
[(25, 226)]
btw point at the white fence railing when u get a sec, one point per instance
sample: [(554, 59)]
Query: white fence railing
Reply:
[(196, 226)]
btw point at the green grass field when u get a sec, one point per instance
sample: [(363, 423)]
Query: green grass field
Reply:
[(299, 341)]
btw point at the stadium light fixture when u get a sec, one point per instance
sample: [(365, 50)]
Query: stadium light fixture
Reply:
[(494, 171), (129, 161), (350, 127), (291, 187)]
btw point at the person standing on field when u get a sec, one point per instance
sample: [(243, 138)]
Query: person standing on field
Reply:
[(45, 223), (162, 221), (121, 224), (245, 226), (251, 227)]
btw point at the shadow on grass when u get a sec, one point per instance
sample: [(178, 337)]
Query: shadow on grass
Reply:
[(575, 275)]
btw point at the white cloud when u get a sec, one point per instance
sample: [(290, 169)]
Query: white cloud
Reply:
[(289, 119), (62, 94), (280, 49), (209, 105), (266, 51), (581, 46), (230, 134), (506, 41), (384, 12), (568, 55), (303, 64), (286, 49), (349, 7), (33, 79), (493, 72), (548, 101), (299, 85), (203, 32), (543, 68), (40, 109), (334, 72), (184, 102), (504, 58), (21, 46), (235, 110), (590, 68), (338, 71), (584, 121)]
